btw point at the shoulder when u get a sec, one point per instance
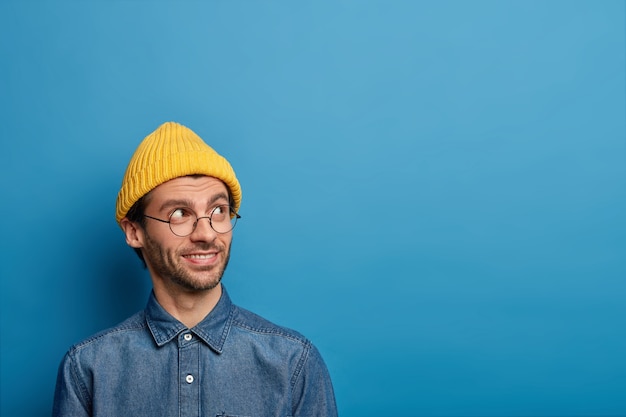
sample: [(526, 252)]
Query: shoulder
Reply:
[(253, 323), (132, 325), (290, 351)]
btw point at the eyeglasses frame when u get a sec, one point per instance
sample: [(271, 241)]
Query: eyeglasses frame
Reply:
[(195, 224)]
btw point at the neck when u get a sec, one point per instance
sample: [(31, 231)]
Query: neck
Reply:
[(188, 307)]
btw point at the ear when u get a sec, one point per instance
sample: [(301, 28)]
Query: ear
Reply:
[(134, 234)]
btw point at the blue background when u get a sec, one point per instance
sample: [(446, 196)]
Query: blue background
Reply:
[(434, 191)]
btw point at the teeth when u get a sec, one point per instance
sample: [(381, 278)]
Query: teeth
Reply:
[(201, 256)]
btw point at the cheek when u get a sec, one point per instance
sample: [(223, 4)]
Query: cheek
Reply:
[(157, 245), (226, 241)]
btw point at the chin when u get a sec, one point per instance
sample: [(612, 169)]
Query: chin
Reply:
[(197, 284)]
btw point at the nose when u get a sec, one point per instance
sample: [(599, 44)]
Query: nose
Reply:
[(203, 231)]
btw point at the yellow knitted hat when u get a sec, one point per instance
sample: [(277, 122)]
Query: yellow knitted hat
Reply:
[(171, 151)]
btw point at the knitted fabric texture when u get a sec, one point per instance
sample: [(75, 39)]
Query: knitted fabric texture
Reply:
[(172, 151)]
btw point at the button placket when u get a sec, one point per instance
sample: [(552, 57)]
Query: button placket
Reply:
[(189, 374)]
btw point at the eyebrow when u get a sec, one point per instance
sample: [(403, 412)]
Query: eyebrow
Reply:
[(183, 202)]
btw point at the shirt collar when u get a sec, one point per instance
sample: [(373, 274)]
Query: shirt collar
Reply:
[(213, 329)]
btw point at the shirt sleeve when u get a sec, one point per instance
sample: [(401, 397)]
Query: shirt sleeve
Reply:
[(69, 394), (313, 394)]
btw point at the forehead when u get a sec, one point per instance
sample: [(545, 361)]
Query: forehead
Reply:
[(196, 188)]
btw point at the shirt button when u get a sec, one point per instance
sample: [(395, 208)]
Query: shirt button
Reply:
[(188, 337), (189, 379)]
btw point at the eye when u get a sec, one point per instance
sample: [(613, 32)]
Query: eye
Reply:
[(180, 215), (220, 213)]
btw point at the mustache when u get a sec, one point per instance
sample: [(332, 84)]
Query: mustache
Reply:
[(203, 247)]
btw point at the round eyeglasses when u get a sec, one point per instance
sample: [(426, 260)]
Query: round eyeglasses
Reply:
[(183, 220)]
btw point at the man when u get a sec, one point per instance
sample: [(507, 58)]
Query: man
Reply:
[(191, 352)]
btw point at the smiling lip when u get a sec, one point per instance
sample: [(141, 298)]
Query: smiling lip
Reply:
[(201, 258)]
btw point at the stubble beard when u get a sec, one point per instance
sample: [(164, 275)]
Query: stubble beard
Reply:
[(164, 265)]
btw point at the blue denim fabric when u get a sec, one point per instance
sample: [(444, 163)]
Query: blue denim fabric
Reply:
[(233, 363)]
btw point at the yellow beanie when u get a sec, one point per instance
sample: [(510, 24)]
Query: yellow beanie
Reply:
[(169, 152)]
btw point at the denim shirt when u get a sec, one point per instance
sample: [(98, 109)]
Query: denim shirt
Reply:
[(233, 363)]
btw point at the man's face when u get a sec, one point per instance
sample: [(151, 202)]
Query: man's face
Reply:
[(191, 263)]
